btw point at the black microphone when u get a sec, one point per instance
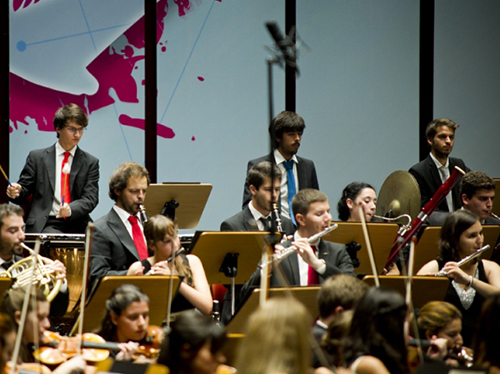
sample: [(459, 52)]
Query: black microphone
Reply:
[(284, 43)]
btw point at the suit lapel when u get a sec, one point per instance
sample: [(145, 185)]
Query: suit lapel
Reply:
[(248, 220), (50, 166), (436, 177), (76, 165), (117, 226), (301, 174)]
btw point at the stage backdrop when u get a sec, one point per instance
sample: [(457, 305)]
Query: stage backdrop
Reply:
[(357, 89)]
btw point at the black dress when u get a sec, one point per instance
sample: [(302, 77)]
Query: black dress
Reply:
[(470, 315), (179, 302)]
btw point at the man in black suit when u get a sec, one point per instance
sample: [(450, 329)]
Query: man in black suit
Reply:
[(311, 263), (287, 128), (115, 245), (257, 215), (477, 191), (45, 178), (11, 238), (432, 172)]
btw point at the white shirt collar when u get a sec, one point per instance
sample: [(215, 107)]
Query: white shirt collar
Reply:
[(60, 150), (255, 213), (438, 164), (278, 157)]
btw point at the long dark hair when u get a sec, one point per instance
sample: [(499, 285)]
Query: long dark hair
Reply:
[(351, 191), (119, 300), (453, 227), (188, 334), (485, 343), (377, 329)]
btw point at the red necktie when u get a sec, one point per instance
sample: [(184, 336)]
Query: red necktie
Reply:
[(139, 242), (312, 275), (65, 195)]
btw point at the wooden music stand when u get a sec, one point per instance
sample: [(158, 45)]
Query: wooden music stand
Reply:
[(424, 289), (184, 201), (221, 252), (156, 287), (496, 207), (382, 237), (231, 347), (427, 247), (307, 295)]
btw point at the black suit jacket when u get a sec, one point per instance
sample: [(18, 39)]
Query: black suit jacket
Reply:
[(244, 221), (429, 180), (113, 249), (38, 179), (306, 173)]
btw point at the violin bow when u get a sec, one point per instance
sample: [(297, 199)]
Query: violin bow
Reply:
[(24, 310), (369, 247)]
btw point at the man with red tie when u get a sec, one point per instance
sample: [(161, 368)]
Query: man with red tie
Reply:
[(62, 180), (118, 238), (311, 263)]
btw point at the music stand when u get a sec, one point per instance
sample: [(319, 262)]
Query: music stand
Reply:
[(220, 253), (307, 295), (231, 347), (427, 247), (382, 237), (156, 287), (424, 289), (184, 202)]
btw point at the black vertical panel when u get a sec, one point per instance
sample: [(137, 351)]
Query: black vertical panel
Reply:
[(426, 94), (4, 95), (290, 84), (150, 147)]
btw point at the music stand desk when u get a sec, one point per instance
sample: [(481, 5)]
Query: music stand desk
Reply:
[(382, 237), (212, 246), (192, 198), (5, 284), (427, 247), (156, 287), (424, 289), (307, 295)]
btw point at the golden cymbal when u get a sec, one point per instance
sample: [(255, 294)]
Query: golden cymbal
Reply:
[(399, 195)]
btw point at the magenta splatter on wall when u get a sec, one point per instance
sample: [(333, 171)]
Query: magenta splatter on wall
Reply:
[(112, 70)]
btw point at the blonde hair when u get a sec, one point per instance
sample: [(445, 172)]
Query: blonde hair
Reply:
[(155, 230), (277, 339)]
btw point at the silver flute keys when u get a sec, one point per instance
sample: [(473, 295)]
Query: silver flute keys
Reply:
[(465, 260)]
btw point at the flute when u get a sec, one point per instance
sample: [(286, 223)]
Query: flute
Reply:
[(465, 260)]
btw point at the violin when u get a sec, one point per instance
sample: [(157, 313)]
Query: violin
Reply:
[(56, 349), (26, 368)]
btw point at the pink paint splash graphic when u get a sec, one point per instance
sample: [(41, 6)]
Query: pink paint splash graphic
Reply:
[(112, 69), (17, 3)]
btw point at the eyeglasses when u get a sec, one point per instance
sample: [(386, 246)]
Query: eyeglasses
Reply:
[(74, 130)]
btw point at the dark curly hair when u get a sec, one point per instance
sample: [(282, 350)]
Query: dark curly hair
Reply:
[(351, 191), (454, 225)]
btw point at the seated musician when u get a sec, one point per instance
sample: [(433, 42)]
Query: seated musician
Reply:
[(162, 240), (36, 323), (126, 320), (7, 340), (11, 238), (461, 236), (440, 319), (486, 343), (193, 346), (357, 194), (308, 266)]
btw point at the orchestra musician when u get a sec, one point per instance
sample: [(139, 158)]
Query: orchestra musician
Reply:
[(118, 238), (354, 195), (37, 322), (298, 173), (63, 197), (11, 238), (460, 236), (432, 172), (440, 319), (308, 266), (162, 240), (193, 345), (126, 320), (7, 339)]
